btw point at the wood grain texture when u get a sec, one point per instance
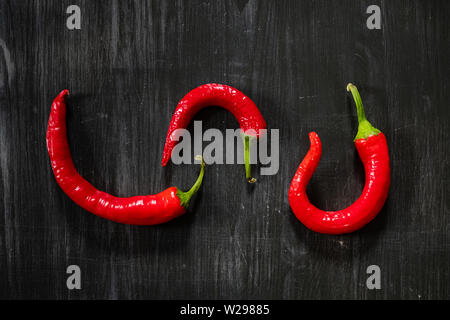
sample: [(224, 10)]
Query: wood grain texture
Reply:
[(127, 68)]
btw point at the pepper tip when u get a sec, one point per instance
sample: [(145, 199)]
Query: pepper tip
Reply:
[(200, 158), (64, 93), (349, 85), (313, 135)]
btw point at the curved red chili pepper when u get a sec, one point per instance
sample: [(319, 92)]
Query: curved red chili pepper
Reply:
[(138, 210), (229, 98), (373, 151)]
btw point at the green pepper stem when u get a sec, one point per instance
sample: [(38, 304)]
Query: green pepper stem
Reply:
[(365, 129), (248, 169), (185, 197)]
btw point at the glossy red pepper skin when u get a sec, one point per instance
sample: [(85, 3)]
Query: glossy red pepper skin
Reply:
[(373, 152), (229, 98), (375, 158), (138, 210)]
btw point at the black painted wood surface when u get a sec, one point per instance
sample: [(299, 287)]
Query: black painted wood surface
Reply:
[(127, 68)]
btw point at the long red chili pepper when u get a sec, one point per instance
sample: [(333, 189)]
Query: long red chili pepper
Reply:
[(138, 210), (373, 151), (245, 111)]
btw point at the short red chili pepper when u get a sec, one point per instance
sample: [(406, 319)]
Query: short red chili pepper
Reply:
[(138, 210), (229, 98), (373, 151)]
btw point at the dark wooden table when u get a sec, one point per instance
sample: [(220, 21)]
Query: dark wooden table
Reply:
[(129, 65)]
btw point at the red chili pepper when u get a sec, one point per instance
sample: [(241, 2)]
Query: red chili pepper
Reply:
[(245, 111), (138, 210), (373, 151)]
